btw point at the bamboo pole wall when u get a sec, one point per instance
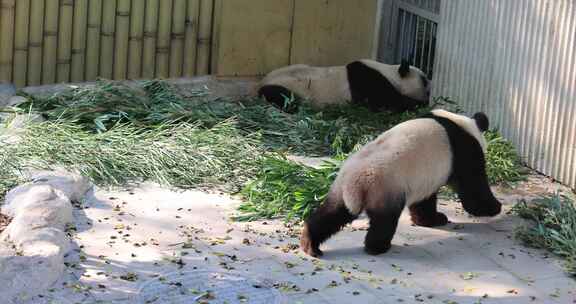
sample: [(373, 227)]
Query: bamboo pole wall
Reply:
[(53, 41), (7, 8), (93, 39), (21, 42)]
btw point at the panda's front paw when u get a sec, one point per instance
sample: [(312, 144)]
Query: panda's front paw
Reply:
[(376, 249), (438, 219)]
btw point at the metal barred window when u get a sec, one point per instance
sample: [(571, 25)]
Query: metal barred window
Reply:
[(416, 40)]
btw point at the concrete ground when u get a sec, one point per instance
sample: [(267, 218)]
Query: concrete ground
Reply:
[(154, 245)]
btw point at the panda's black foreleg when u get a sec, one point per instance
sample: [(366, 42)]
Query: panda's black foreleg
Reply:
[(475, 194), (383, 224), (324, 222), (425, 213)]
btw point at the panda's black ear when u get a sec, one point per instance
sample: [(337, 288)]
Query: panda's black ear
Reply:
[(404, 68), (481, 121)]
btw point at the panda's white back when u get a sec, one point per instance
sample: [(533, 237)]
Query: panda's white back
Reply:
[(413, 158), (325, 85)]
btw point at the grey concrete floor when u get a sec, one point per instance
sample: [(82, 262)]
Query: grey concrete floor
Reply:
[(127, 240)]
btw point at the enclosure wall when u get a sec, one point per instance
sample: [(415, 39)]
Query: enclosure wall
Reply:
[(49, 41), (515, 60)]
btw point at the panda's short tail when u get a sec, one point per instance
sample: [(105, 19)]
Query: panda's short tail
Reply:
[(280, 97), (353, 199)]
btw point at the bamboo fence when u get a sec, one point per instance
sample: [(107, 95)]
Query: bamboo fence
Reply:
[(55, 41)]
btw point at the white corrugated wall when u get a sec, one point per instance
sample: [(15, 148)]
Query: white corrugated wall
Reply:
[(516, 61)]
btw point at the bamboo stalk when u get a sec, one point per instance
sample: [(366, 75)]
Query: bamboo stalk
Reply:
[(65, 40), (21, 42), (163, 46), (6, 39), (121, 39), (107, 38), (79, 40), (177, 43), (35, 47), (191, 37), (205, 35), (150, 32), (136, 37), (93, 39), (50, 41)]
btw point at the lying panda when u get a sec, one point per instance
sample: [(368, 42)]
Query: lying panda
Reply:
[(365, 82), (405, 166)]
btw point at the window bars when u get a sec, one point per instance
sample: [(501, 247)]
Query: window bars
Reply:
[(416, 40)]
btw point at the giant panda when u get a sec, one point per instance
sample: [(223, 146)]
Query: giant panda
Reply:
[(406, 166), (378, 86)]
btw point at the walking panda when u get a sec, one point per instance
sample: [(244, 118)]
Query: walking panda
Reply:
[(406, 166), (378, 86)]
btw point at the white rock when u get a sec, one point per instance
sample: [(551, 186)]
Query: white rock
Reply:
[(73, 185), (48, 242), (54, 213), (40, 210), (19, 197)]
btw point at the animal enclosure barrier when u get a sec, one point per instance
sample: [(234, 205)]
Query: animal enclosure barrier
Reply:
[(515, 60), (54, 41), (408, 31), (49, 41)]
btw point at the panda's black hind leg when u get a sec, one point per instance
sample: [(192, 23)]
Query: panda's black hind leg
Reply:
[(425, 213), (324, 222), (280, 96), (383, 224)]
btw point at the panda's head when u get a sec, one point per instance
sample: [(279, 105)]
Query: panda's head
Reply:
[(407, 80), (474, 126)]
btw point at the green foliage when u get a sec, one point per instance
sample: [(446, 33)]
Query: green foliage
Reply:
[(285, 187), (181, 155), (149, 103), (502, 163), (99, 107), (554, 228)]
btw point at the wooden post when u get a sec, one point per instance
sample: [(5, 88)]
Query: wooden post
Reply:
[(178, 32), (191, 37), (35, 47), (49, 53), (150, 32), (163, 46), (21, 43), (121, 41), (64, 41), (205, 36), (107, 38), (93, 39), (136, 37), (6, 39), (79, 40)]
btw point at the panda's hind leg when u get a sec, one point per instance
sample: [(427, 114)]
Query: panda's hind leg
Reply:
[(324, 222), (280, 96), (425, 213), (383, 224)]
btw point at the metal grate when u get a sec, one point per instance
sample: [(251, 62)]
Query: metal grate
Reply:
[(416, 40)]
